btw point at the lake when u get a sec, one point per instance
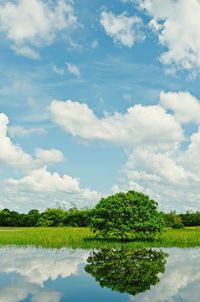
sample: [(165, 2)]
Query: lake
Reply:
[(113, 275)]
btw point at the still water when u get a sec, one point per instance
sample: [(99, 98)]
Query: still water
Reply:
[(113, 275)]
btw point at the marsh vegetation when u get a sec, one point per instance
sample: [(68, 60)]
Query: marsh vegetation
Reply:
[(59, 237)]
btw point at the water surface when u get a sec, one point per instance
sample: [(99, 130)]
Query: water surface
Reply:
[(113, 275)]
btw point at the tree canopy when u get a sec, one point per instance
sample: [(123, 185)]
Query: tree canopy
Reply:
[(49, 218), (130, 215)]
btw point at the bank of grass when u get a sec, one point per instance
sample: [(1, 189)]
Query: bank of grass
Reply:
[(83, 238)]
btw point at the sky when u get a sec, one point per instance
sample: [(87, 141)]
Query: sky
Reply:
[(98, 97)]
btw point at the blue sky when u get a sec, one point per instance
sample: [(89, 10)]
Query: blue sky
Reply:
[(99, 97)]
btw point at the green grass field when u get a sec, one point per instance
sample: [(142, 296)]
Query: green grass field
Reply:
[(83, 238)]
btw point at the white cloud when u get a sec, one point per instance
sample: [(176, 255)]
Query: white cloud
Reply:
[(9, 153), (49, 155), (28, 199), (190, 158), (185, 106), (41, 180), (171, 176), (40, 185), (163, 177), (37, 184), (139, 125), (124, 29), (31, 24), (73, 69), (19, 131), (176, 23), (158, 167), (163, 162)]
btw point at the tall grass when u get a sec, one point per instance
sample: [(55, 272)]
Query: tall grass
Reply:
[(83, 238)]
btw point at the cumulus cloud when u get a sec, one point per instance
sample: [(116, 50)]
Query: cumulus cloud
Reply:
[(34, 23), (139, 125), (185, 106), (28, 199), (162, 160), (10, 153), (123, 29), (40, 185), (49, 155), (37, 182), (73, 69), (40, 180), (176, 24), (156, 167), (172, 177), (190, 158)]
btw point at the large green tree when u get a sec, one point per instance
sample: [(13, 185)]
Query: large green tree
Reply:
[(125, 270), (130, 215)]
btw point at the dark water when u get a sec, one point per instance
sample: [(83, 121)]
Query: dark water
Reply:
[(113, 275)]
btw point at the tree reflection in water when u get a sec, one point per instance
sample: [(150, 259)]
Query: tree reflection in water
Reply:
[(125, 270)]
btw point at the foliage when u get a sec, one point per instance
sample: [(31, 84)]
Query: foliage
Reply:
[(107, 217), (190, 218), (125, 216), (48, 218), (77, 218), (52, 218), (125, 270), (173, 220)]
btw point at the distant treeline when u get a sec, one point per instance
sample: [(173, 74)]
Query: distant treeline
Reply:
[(49, 218), (175, 220), (80, 218)]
